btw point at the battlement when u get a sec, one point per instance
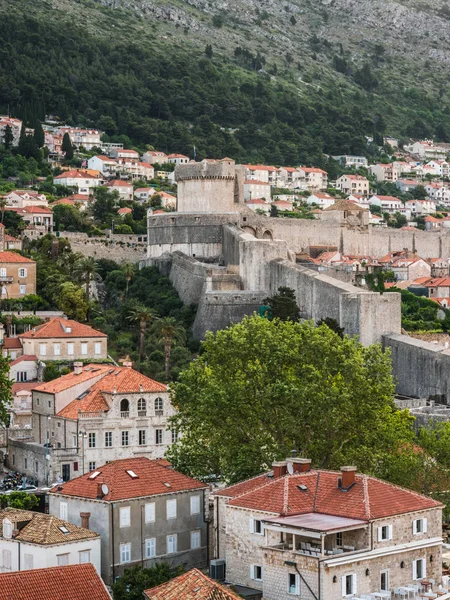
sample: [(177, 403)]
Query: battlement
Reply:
[(206, 169)]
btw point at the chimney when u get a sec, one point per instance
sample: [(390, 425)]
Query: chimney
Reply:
[(85, 519), (100, 493), (301, 465), (77, 368), (15, 532), (127, 364), (279, 469), (348, 476)]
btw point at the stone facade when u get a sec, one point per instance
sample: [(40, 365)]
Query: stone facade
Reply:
[(17, 276)]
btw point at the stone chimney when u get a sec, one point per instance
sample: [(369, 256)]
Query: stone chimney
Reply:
[(127, 362), (279, 469), (77, 368), (348, 475), (301, 465), (85, 519), (100, 493)]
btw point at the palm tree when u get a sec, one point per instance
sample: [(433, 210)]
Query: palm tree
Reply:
[(86, 270), (128, 271), (170, 331), (143, 315)]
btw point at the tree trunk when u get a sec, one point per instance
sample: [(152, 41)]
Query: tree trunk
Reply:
[(88, 287), (141, 339), (167, 349)]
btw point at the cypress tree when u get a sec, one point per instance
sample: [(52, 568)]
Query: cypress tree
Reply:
[(67, 147), (39, 135)]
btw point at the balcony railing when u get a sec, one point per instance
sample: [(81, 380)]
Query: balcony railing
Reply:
[(142, 413), (159, 413), (6, 279), (125, 414)]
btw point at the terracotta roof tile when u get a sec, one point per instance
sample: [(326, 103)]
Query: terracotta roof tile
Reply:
[(13, 257), (30, 357), (368, 498), (71, 379), (80, 582), (57, 328), (193, 585), (44, 529), (12, 343), (154, 477)]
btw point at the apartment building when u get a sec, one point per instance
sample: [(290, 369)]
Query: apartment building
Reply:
[(300, 532), (17, 276), (145, 511)]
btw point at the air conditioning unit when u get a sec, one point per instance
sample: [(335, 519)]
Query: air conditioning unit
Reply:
[(217, 569)]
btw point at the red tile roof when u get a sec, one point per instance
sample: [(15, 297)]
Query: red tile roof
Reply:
[(23, 386), (13, 257), (154, 477), (124, 211), (72, 379), (193, 585), (73, 582), (119, 183), (177, 156), (11, 343), (369, 498), (57, 328), (256, 182), (30, 357), (40, 210)]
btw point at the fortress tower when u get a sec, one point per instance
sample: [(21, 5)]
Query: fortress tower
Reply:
[(210, 186)]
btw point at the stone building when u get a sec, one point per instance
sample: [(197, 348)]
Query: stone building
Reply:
[(345, 212), (95, 414), (145, 511), (17, 275), (65, 339), (193, 584), (297, 532), (32, 540)]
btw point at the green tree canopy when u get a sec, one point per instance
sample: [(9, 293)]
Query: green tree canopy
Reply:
[(5, 389), (131, 585), (21, 500), (284, 304), (73, 301), (67, 147), (262, 388)]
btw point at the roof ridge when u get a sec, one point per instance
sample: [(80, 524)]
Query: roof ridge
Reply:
[(286, 495), (316, 492), (366, 499)]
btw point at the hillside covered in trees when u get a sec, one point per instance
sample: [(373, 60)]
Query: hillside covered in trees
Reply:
[(148, 82)]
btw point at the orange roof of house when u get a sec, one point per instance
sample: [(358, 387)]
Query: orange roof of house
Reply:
[(256, 182), (56, 583), (30, 357), (387, 198), (193, 585), (119, 183), (154, 477), (369, 498), (36, 210), (358, 177), (13, 257), (261, 168), (10, 238), (177, 156), (74, 174), (22, 386), (146, 165), (65, 201), (166, 195), (432, 220), (65, 382), (313, 170), (115, 380), (10, 343), (124, 211), (323, 195), (58, 328)]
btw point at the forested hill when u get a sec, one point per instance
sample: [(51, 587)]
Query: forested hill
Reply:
[(203, 80)]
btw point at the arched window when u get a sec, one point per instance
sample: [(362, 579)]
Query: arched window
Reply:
[(159, 406), (142, 407), (124, 408)]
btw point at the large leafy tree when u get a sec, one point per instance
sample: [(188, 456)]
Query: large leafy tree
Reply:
[(73, 301), (284, 304), (262, 388), (22, 500)]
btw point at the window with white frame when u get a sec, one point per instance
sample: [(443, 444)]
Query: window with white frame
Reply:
[(28, 562), (108, 439), (92, 440), (293, 584), (85, 557), (349, 585), (174, 436), (171, 543), (22, 272), (84, 348), (142, 437), (171, 508), (57, 349), (43, 349), (195, 540), (384, 581), (91, 465), (150, 512), (63, 560), (124, 438), (256, 572), (6, 560), (125, 553), (150, 548), (23, 289), (158, 436), (419, 571), (63, 511), (256, 527), (97, 348), (125, 516), (159, 406), (7, 529), (3, 272), (195, 505), (419, 526), (70, 349), (385, 533)]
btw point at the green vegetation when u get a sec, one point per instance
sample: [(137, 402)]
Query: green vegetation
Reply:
[(422, 314), (5, 389), (283, 305), (22, 500), (262, 388), (131, 585)]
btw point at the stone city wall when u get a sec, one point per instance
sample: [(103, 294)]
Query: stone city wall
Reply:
[(120, 248)]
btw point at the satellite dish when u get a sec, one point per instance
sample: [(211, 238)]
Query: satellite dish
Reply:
[(290, 468), (105, 489)]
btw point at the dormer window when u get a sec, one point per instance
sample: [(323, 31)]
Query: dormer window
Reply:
[(7, 529), (68, 329)]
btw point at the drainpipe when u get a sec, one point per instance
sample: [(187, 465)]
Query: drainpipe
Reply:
[(207, 530), (142, 536), (112, 541), (217, 528)]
